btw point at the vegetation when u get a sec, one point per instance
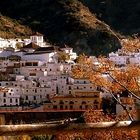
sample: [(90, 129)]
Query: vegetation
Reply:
[(64, 22), (10, 28)]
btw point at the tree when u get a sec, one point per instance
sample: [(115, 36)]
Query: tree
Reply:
[(112, 80), (62, 56)]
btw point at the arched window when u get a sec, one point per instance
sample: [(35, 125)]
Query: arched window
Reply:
[(71, 102), (83, 102)]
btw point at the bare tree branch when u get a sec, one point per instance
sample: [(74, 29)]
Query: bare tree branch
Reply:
[(134, 95)]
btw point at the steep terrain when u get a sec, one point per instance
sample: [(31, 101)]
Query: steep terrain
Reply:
[(122, 15), (12, 29), (64, 22)]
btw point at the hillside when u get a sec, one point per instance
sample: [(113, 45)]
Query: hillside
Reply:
[(122, 15), (12, 29), (64, 22)]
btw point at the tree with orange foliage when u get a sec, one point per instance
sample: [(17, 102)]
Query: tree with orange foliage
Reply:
[(114, 81)]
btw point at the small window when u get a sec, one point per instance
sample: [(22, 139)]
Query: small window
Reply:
[(55, 107), (4, 95), (10, 100), (34, 97), (16, 100), (71, 107), (61, 106), (4, 100), (26, 97), (130, 108)]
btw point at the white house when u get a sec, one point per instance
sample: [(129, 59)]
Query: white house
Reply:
[(37, 39), (10, 96)]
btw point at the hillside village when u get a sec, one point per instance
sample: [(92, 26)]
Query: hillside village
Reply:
[(37, 75)]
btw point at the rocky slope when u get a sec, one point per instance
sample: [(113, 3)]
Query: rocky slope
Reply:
[(64, 22), (12, 29)]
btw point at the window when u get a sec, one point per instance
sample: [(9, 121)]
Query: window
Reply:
[(130, 108), (71, 107), (35, 64), (32, 74), (4, 100), (55, 107), (28, 64), (16, 100), (71, 102), (26, 97), (61, 106), (34, 97), (83, 102), (10, 100), (4, 95)]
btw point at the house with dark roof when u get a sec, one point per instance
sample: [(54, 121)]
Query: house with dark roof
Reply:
[(30, 47)]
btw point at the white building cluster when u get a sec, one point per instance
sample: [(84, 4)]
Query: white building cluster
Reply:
[(123, 59), (35, 74)]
